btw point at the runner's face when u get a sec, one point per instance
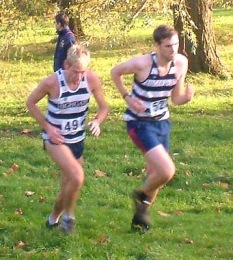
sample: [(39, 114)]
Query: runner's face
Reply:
[(169, 47), (76, 72)]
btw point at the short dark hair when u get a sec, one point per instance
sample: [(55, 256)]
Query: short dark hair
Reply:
[(163, 32), (62, 18)]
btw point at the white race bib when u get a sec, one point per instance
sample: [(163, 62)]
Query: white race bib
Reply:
[(70, 126), (158, 107)]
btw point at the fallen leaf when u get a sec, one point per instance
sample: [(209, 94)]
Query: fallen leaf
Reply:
[(99, 173), (102, 240), (19, 212), (26, 131), (42, 199), (205, 185), (184, 164), (188, 241), (20, 244), (9, 171), (224, 185), (1, 196), (178, 212), (29, 193), (13, 168), (163, 214)]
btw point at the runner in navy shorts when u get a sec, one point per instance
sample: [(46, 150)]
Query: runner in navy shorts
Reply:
[(157, 77), (148, 134), (76, 148)]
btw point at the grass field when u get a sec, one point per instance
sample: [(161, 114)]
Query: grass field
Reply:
[(192, 218)]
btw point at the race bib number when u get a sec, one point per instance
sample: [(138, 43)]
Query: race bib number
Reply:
[(158, 107), (69, 126)]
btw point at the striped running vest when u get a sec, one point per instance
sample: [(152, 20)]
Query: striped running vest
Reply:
[(154, 93), (69, 110)]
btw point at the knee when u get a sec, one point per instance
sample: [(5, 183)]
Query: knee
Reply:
[(77, 178), (169, 172), (164, 173)]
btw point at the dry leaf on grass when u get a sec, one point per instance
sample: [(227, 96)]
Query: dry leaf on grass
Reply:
[(99, 173), (19, 211), (178, 212), (188, 241), (14, 167), (224, 185), (163, 214), (42, 199), (20, 244), (26, 131), (102, 240), (29, 193), (183, 164), (205, 185)]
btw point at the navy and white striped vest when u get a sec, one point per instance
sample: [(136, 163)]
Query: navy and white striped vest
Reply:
[(153, 92), (69, 110)]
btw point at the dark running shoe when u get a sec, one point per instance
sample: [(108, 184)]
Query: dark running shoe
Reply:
[(48, 225), (67, 225), (141, 220)]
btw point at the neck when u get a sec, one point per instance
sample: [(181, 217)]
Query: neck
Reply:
[(162, 62)]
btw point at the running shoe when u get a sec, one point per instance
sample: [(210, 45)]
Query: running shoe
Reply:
[(67, 225), (141, 220), (51, 226)]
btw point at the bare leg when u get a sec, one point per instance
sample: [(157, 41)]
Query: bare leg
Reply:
[(160, 170), (72, 179)]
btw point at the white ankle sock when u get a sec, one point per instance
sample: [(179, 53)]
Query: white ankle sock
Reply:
[(67, 216), (52, 221)]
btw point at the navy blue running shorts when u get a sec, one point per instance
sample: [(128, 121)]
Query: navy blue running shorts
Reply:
[(148, 134), (76, 148)]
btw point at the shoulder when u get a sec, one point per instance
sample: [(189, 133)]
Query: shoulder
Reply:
[(49, 82), (93, 79), (69, 36), (141, 60), (181, 64), (180, 60), (135, 64)]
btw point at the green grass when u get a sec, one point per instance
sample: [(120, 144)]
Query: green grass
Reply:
[(198, 201)]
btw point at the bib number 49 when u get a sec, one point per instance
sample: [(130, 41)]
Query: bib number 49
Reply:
[(71, 125)]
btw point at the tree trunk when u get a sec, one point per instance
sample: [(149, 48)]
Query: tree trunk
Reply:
[(193, 21), (75, 23)]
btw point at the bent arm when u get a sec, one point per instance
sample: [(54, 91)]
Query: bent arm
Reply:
[(32, 103), (96, 88), (181, 94), (131, 66)]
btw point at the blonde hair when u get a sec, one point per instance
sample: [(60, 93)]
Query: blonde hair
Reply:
[(78, 54)]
